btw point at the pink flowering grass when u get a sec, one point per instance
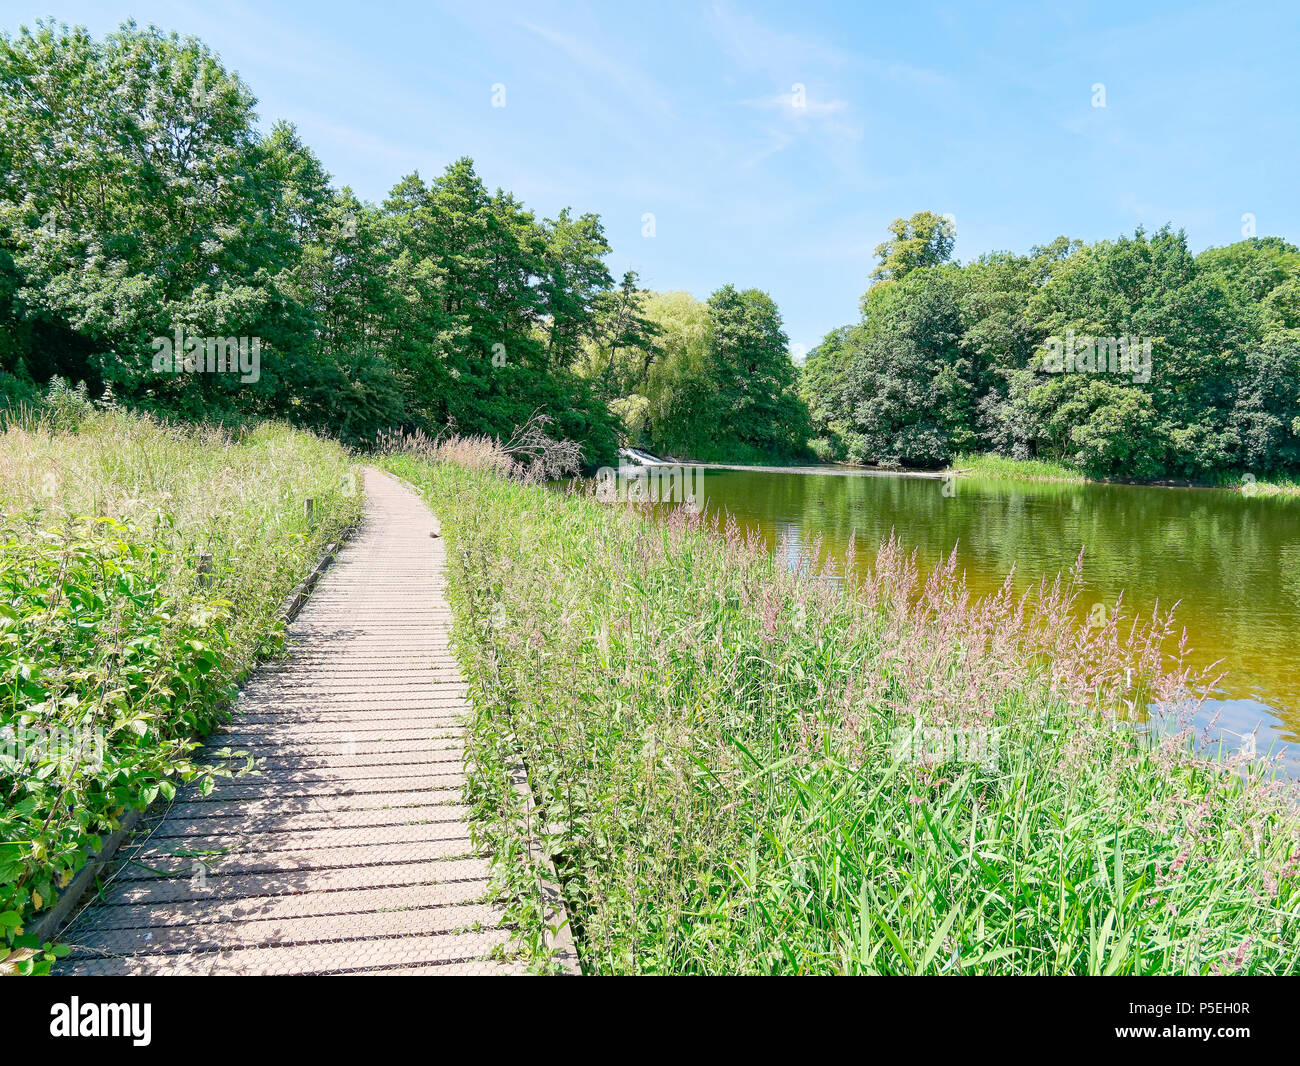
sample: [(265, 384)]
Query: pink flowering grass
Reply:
[(712, 741)]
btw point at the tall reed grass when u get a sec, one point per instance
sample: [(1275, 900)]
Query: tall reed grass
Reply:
[(717, 746)]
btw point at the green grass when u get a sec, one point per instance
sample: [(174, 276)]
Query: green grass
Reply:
[(712, 742), (1003, 468), (114, 654), (1264, 486)]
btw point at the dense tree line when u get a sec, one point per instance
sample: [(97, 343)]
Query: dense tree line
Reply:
[(1130, 358), (141, 203)]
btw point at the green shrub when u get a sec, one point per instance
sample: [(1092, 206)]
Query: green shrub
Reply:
[(64, 408), (826, 449), (115, 657)]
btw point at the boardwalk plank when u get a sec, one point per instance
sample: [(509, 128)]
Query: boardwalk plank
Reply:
[(348, 853)]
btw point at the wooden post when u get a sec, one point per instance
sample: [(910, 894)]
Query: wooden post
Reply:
[(311, 513), (205, 569)]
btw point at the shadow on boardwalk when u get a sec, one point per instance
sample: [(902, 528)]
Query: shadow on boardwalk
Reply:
[(349, 853)]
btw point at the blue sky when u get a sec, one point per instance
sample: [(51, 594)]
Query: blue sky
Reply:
[(686, 111)]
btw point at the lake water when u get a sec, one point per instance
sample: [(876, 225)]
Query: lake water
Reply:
[(1233, 561)]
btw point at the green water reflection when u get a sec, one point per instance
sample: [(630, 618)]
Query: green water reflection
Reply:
[(1232, 561)]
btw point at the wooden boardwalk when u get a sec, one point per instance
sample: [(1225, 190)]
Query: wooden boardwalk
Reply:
[(349, 854)]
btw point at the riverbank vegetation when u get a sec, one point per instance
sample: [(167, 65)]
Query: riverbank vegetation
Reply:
[(742, 767), (142, 567), (949, 359), (1002, 467), (1284, 486)]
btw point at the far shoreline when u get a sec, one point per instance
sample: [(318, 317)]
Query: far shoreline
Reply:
[(995, 468)]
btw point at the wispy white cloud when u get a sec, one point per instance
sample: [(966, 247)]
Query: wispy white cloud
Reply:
[(756, 46), (775, 140), (810, 113), (640, 89), (789, 117)]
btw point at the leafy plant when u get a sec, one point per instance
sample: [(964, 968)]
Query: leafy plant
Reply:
[(117, 655)]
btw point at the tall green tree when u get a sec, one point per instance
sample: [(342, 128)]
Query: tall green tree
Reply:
[(755, 376), (138, 199), (924, 240)]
